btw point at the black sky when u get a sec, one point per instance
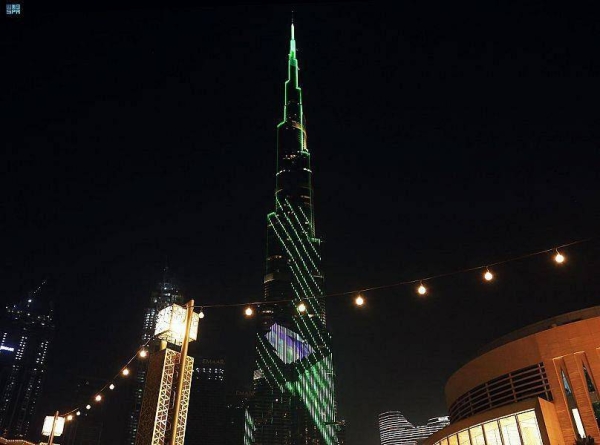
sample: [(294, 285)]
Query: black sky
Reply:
[(443, 135)]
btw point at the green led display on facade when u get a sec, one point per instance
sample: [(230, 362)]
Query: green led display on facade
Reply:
[(294, 400)]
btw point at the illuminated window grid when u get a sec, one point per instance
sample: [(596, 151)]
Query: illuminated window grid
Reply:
[(517, 429), (515, 386)]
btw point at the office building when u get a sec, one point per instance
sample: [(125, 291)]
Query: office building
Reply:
[(26, 332), (206, 421), (538, 385)]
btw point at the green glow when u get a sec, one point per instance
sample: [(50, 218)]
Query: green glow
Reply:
[(314, 382), (303, 370)]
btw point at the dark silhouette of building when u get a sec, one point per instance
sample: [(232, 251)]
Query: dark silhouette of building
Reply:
[(88, 427), (165, 294), (26, 331), (206, 419), (237, 404), (294, 401)]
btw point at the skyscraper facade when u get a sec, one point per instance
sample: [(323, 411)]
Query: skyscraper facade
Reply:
[(165, 294), (206, 419), (26, 332), (294, 401), (394, 429)]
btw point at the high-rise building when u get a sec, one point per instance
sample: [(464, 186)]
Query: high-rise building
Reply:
[(26, 332), (394, 429), (206, 419), (165, 294), (294, 401)]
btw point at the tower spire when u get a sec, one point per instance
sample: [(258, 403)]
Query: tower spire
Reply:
[(292, 40)]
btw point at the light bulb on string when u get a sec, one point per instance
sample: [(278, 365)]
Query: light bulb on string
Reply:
[(143, 353), (111, 386), (98, 398), (488, 276), (125, 372), (69, 417), (301, 308), (249, 311), (359, 300), (201, 313), (559, 258), (88, 406), (78, 413), (422, 290)]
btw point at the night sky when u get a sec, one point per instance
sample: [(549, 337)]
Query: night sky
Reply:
[(443, 136)]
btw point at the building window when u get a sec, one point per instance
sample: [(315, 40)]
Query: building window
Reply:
[(492, 433), (578, 422), (530, 432), (477, 435), (588, 380), (566, 385)]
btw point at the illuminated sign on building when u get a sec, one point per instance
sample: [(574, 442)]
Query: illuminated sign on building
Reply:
[(13, 9), (7, 348)]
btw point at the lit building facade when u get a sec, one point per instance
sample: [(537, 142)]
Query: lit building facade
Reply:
[(26, 331), (535, 386), (394, 429), (294, 400), (165, 294)]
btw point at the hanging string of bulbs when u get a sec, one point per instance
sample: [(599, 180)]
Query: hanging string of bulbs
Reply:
[(421, 288), (141, 353), (359, 300)]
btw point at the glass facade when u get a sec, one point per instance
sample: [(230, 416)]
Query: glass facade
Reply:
[(517, 429)]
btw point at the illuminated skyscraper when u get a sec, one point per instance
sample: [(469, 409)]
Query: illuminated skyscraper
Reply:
[(294, 400), (166, 294), (394, 429), (26, 331)]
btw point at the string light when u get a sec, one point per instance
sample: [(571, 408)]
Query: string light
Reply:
[(358, 301)]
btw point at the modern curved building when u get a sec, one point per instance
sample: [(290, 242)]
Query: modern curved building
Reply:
[(394, 429), (537, 385)]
